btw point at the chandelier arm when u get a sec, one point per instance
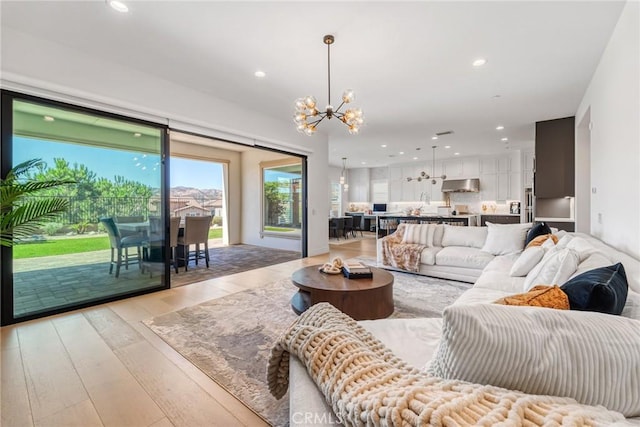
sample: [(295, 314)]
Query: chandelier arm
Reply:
[(317, 121), (340, 106)]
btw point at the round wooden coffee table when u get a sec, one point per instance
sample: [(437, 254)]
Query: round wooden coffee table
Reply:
[(361, 299)]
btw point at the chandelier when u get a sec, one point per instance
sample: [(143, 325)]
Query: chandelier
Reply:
[(424, 175), (307, 116)]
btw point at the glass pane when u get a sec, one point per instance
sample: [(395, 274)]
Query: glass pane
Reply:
[(282, 199), (109, 241)]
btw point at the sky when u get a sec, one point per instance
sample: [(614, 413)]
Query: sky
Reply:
[(107, 163)]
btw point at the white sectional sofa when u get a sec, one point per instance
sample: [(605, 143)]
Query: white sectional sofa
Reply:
[(416, 340), (451, 252)]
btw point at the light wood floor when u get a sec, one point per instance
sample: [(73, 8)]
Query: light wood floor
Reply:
[(101, 367)]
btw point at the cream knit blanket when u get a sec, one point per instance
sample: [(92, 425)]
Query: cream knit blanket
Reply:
[(367, 385)]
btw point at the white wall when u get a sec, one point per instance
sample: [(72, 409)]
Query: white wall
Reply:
[(39, 67), (613, 101)]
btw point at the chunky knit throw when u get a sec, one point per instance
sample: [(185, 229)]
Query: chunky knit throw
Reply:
[(367, 385)]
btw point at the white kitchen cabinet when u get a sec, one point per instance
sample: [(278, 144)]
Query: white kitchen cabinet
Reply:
[(502, 186), (488, 187), (470, 167), (504, 164), (395, 184), (515, 186), (488, 165), (453, 168), (358, 185)]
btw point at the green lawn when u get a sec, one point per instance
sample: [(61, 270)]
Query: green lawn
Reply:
[(74, 245), (60, 247), (279, 229)]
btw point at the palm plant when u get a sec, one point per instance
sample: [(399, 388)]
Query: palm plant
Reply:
[(20, 216)]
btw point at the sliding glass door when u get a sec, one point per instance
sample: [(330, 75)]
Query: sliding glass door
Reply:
[(110, 241)]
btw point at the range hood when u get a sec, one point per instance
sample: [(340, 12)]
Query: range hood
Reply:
[(461, 185)]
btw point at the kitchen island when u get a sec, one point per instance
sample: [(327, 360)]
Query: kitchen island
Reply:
[(387, 223)]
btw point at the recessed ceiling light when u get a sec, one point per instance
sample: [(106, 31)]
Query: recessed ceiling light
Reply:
[(504, 139), (49, 119), (119, 6), (499, 127), (434, 137), (415, 158), (137, 134), (456, 154), (479, 62), (260, 74), (384, 146), (364, 163), (447, 146), (402, 152)]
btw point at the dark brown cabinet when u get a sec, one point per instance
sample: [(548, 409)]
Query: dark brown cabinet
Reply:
[(555, 158), (499, 219)]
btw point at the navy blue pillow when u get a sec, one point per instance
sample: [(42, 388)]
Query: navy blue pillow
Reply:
[(602, 289), (539, 229)]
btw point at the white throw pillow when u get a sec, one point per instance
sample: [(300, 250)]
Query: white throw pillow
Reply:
[(438, 232), (582, 247), (503, 239), (471, 237), (555, 268), (526, 261), (416, 233), (591, 357), (564, 241)]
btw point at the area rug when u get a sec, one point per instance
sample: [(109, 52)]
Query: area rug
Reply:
[(229, 338), (232, 259)]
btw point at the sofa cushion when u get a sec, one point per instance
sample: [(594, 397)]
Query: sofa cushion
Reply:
[(591, 357), (417, 233), (472, 237), (428, 255), (526, 261), (595, 260), (538, 296), (539, 229), (505, 238), (461, 256), (582, 247), (603, 289), (555, 268)]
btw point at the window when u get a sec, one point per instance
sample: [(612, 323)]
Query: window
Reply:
[(282, 198)]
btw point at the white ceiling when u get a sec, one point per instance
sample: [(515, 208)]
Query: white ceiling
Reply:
[(409, 62)]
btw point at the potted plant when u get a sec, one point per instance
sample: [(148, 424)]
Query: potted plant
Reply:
[(21, 216)]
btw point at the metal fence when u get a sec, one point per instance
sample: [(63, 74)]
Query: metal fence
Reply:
[(91, 209)]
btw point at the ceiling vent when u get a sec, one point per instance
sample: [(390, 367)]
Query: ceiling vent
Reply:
[(446, 132)]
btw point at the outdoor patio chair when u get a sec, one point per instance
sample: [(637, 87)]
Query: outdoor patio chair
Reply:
[(196, 232), (118, 243)]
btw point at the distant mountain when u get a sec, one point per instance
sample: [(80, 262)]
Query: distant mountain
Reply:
[(196, 193)]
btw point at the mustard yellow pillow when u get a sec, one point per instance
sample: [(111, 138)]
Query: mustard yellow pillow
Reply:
[(538, 241), (539, 296)]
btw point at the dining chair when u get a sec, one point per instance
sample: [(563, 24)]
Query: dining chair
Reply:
[(196, 231), (358, 223), (120, 244), (348, 227), (174, 229), (333, 228), (127, 233)]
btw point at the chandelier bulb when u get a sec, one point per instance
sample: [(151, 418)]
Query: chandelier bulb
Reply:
[(348, 96), (310, 102)]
